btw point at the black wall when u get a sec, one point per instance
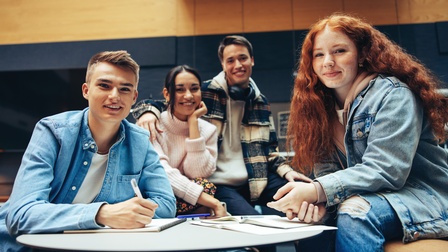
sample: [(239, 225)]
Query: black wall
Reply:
[(43, 79)]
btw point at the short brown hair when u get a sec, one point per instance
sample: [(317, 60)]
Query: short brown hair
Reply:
[(234, 40), (120, 58)]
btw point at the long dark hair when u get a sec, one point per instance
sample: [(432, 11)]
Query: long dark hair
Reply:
[(170, 84)]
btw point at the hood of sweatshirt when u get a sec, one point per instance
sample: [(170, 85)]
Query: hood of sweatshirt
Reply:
[(360, 83), (220, 79)]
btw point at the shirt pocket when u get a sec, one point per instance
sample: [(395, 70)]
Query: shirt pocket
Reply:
[(124, 183), (361, 127), (359, 134)]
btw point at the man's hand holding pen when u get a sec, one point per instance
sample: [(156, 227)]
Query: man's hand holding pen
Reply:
[(133, 213)]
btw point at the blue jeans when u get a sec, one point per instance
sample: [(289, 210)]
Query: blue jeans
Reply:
[(237, 198), (365, 223)]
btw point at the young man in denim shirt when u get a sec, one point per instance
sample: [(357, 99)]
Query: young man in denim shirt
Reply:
[(76, 170)]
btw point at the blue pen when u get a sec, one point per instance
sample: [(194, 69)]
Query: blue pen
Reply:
[(185, 216)]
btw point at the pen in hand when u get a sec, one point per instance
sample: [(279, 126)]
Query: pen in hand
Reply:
[(135, 188)]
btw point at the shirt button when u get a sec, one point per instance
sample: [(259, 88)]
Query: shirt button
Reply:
[(359, 133), (73, 188), (86, 144), (85, 163), (415, 235), (92, 146)]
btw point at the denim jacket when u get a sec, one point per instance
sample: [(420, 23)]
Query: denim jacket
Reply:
[(54, 166), (391, 150)]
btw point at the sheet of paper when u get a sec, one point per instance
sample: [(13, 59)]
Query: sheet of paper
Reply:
[(156, 225), (260, 220), (259, 230)]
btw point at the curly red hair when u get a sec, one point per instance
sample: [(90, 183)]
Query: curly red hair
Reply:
[(312, 104)]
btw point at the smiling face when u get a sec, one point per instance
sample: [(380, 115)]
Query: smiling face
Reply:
[(187, 95), (111, 92), (237, 64), (335, 61)]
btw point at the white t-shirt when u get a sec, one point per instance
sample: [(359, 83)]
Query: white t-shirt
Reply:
[(93, 181), (230, 166)]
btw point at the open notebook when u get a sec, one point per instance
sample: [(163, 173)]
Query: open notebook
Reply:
[(273, 221), (156, 225), (262, 225)]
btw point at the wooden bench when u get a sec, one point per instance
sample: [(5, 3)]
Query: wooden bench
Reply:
[(429, 245)]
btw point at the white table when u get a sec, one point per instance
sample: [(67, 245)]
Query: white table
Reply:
[(185, 237)]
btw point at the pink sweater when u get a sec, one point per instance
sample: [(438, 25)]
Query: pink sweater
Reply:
[(185, 159)]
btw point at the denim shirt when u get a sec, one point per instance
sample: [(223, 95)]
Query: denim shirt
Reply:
[(54, 166), (391, 150)]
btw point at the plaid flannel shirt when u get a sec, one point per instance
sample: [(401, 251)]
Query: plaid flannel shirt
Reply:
[(258, 137)]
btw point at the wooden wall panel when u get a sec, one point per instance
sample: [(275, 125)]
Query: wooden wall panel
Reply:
[(308, 12), (267, 15), (403, 12), (219, 17), (185, 17), (28, 21), (378, 12), (422, 11), (31, 21)]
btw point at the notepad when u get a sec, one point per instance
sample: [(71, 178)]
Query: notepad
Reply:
[(156, 225), (261, 225), (273, 221)]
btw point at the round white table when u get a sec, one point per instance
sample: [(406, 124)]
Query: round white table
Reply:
[(184, 237)]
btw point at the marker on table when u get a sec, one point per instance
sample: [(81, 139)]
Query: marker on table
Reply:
[(252, 217), (185, 216), (135, 188)]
